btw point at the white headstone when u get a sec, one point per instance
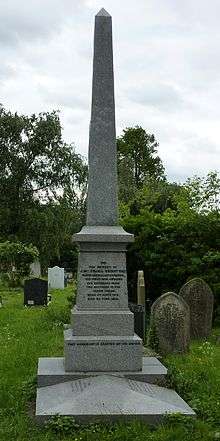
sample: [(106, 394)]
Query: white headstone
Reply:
[(56, 278)]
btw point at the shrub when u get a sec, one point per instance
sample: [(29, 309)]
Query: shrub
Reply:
[(15, 260)]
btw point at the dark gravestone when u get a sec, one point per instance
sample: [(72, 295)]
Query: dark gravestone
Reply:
[(139, 319), (65, 280), (35, 292), (198, 295), (170, 324)]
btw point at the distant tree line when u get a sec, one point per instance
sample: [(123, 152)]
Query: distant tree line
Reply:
[(43, 185)]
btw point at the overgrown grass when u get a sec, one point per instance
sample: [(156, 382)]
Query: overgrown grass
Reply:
[(29, 333)]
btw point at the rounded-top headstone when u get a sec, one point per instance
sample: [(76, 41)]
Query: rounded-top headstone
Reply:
[(170, 324), (200, 299)]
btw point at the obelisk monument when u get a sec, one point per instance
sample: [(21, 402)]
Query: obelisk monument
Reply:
[(103, 375), (102, 192), (102, 335)]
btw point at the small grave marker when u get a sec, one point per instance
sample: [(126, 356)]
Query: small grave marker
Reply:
[(56, 278), (35, 292)]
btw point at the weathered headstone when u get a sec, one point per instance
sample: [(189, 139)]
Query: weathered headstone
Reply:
[(170, 324), (139, 319), (200, 299), (35, 269), (35, 292), (141, 289), (102, 353), (56, 278)]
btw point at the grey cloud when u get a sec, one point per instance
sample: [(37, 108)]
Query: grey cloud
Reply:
[(32, 19), (68, 96), (166, 70), (161, 96), (6, 71)]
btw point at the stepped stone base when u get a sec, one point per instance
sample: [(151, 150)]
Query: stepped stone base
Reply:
[(102, 322), (102, 353), (108, 398), (51, 371)]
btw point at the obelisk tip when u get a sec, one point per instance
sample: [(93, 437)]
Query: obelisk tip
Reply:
[(103, 13)]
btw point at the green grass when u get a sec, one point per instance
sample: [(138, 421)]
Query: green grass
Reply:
[(29, 333)]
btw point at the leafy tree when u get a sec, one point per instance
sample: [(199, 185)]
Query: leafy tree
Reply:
[(36, 166), (177, 242), (137, 161), (15, 260), (43, 183), (204, 192)]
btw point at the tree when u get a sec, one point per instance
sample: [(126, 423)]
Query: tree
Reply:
[(43, 183), (137, 160), (36, 166), (15, 260), (178, 241), (204, 192)]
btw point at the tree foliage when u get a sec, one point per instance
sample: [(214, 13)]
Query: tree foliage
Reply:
[(176, 237), (43, 183), (137, 161), (15, 260)]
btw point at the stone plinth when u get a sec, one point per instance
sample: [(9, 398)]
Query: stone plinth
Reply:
[(101, 337), (108, 398), (102, 353), (102, 322), (52, 371)]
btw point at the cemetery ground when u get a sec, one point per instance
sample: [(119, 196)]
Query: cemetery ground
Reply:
[(29, 333)]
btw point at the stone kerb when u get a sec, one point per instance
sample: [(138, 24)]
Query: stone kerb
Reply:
[(198, 295), (170, 324)]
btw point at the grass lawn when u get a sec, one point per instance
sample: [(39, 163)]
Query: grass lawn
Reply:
[(29, 333)]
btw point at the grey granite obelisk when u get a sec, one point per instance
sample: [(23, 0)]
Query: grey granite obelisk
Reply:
[(102, 335), (102, 193), (97, 379)]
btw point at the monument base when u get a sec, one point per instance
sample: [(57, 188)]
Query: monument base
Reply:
[(110, 398), (102, 322), (102, 353), (51, 371)]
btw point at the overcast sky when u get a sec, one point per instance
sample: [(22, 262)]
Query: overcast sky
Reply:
[(167, 71)]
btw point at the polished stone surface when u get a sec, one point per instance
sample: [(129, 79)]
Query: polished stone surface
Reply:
[(102, 184), (51, 371), (102, 322), (103, 234), (102, 281), (108, 398), (102, 353)]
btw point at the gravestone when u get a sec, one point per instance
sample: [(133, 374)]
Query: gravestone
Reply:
[(139, 319), (35, 269), (103, 373), (170, 324), (35, 292), (141, 289), (56, 278), (200, 299)]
